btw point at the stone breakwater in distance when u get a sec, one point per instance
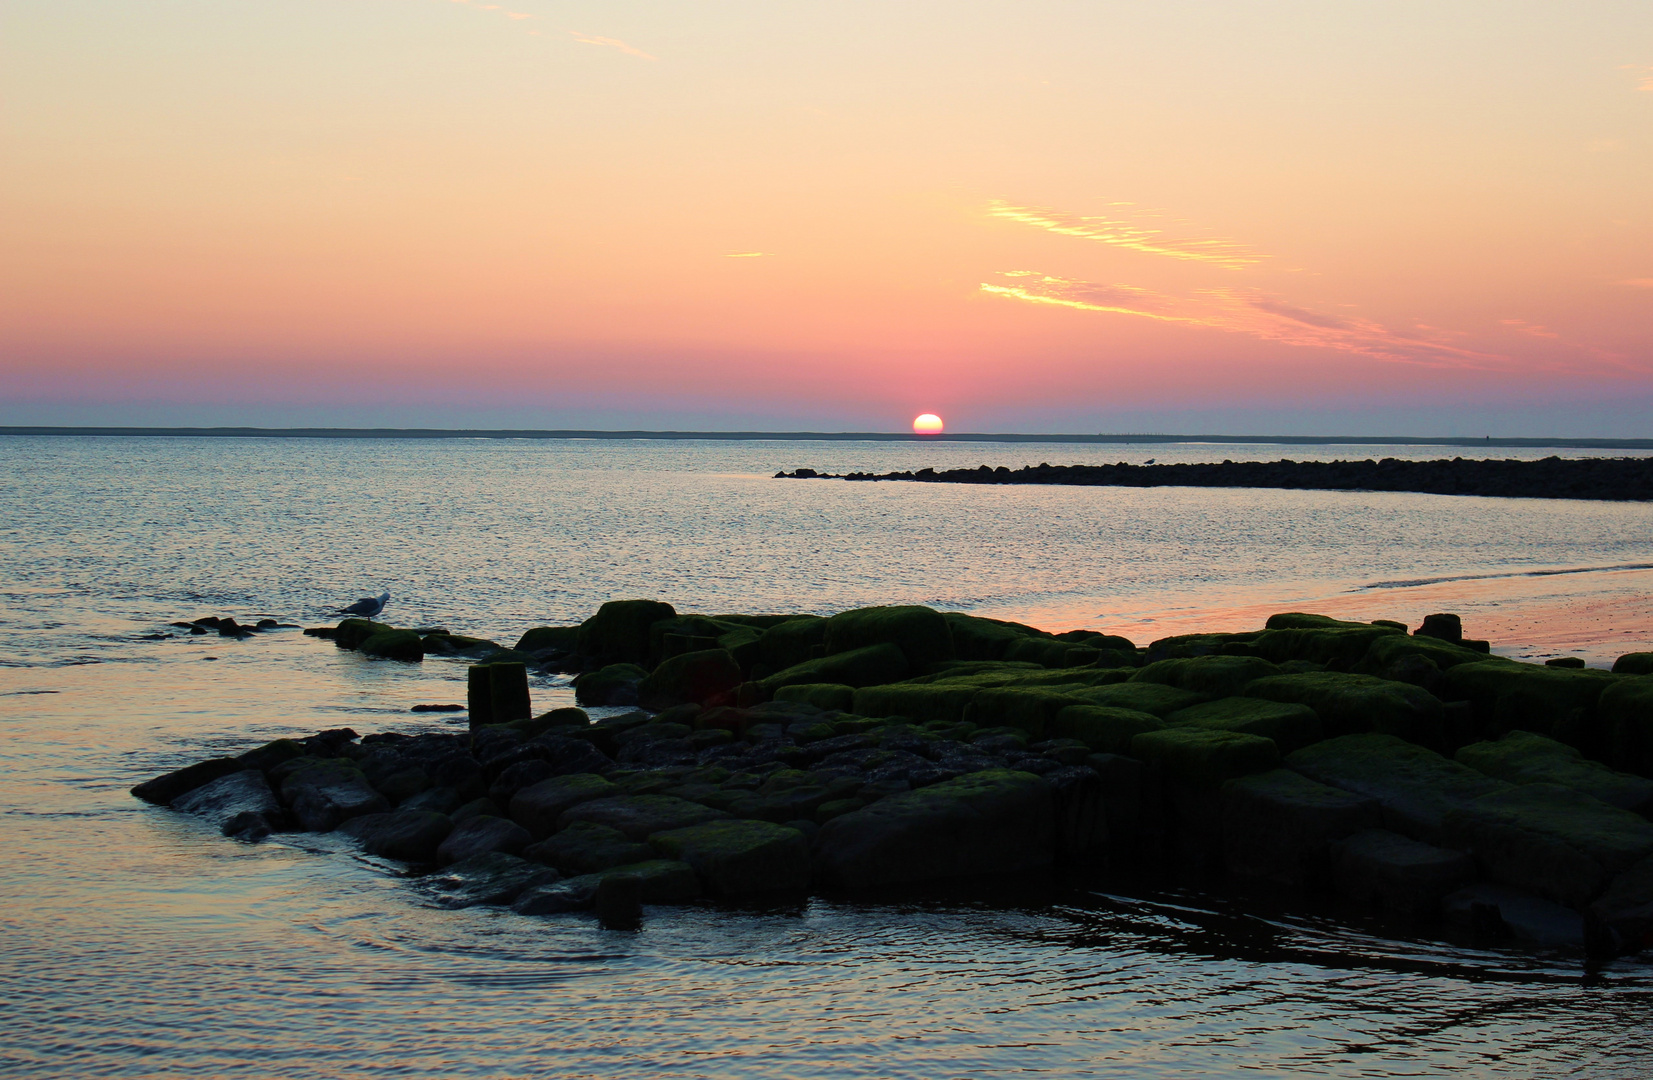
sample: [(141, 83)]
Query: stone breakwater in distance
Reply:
[(1617, 479), (1408, 774)]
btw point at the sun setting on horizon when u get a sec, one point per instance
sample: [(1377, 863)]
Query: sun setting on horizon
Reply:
[(928, 424)]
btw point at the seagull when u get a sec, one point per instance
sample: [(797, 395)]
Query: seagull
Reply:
[(367, 606)]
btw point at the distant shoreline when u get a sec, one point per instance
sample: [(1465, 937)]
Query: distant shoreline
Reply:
[(1558, 442)]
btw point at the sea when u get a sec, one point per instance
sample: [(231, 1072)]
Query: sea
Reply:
[(137, 942)]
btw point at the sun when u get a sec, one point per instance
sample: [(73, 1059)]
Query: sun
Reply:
[(927, 424)]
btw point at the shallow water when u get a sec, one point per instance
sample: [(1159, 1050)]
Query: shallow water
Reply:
[(138, 943)]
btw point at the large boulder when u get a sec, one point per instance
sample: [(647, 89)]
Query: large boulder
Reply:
[(871, 666), (976, 638), (1625, 710), (1202, 758), (240, 805), (1052, 652), (1349, 704), (1489, 909), (1389, 650), (1102, 728), (789, 643), (921, 633), (1415, 787), (640, 816), (1279, 825), (585, 848), (481, 835), (920, 703), (828, 696), (619, 632), (736, 859), (1558, 702), (996, 821), (394, 645), (1522, 757), (1214, 676), (1636, 663), (1396, 874), (1157, 699), (549, 639), (1622, 917), (704, 677), (409, 835), (538, 807), (1290, 726), (1028, 708), (352, 632), (494, 878), (1552, 840), (614, 684), (168, 786), (322, 796)]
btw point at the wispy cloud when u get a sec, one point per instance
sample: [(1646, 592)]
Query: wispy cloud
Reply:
[(745, 254), (1639, 282), (1522, 326), (495, 8), (1644, 73), (1135, 229), (1250, 312), (613, 43)]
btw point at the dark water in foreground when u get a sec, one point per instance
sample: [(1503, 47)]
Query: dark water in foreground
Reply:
[(135, 942)]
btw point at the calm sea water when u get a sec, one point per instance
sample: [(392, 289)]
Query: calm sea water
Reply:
[(138, 943)]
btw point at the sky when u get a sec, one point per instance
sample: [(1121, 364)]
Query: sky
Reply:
[(1337, 218)]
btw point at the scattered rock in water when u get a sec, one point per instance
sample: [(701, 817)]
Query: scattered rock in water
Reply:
[(437, 708), (494, 878), (240, 804)]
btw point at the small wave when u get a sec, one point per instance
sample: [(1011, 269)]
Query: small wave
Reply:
[(1414, 582)]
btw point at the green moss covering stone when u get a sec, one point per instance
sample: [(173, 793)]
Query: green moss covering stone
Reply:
[(1350, 704), (1204, 758), (921, 703), (1290, 726), (737, 859), (1523, 757), (921, 633), (1415, 786), (1104, 729)]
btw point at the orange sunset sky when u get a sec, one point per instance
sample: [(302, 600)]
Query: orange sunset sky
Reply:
[(1314, 217)]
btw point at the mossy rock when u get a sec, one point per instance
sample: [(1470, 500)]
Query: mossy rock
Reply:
[(1215, 676), (1636, 663), (1051, 653), (1074, 678), (792, 642), (585, 848), (918, 703), (568, 718), (1190, 645), (1105, 730), (1523, 757), (1297, 620), (540, 638), (920, 633), (976, 638), (706, 677), (1346, 645), (1205, 758), (1558, 702), (1625, 711), (1290, 726), (951, 670), (1028, 708), (1350, 704), (1555, 841), (619, 631), (395, 645), (830, 696), (350, 633), (1386, 651), (615, 684), (871, 666), (1415, 786), (737, 859), (1148, 697)]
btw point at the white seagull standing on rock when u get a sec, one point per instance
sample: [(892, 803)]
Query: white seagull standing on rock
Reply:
[(367, 606)]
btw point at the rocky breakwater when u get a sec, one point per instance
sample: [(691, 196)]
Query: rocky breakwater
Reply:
[(1550, 478), (1411, 774)]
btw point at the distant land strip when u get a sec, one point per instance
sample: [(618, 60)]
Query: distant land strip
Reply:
[(815, 436), (1617, 479)]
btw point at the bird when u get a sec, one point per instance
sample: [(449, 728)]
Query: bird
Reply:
[(367, 606)]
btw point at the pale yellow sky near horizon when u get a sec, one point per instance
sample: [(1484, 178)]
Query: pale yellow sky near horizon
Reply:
[(995, 211)]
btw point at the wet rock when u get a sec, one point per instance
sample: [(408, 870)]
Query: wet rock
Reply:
[(513, 778), (168, 786), (494, 878), (1081, 812), (1621, 920), (1549, 840), (619, 632), (482, 835), (1403, 877), (394, 645), (994, 822), (1504, 911), (323, 796), (403, 784), (921, 633), (1415, 787), (483, 807), (1291, 726), (1279, 825), (437, 708), (409, 835), (549, 639), (616, 684), (1205, 758), (461, 772), (441, 800), (1521, 757), (538, 806), (585, 848), (737, 859), (350, 633), (240, 804), (639, 816)]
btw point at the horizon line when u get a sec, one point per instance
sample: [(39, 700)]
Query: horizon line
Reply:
[(812, 436)]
